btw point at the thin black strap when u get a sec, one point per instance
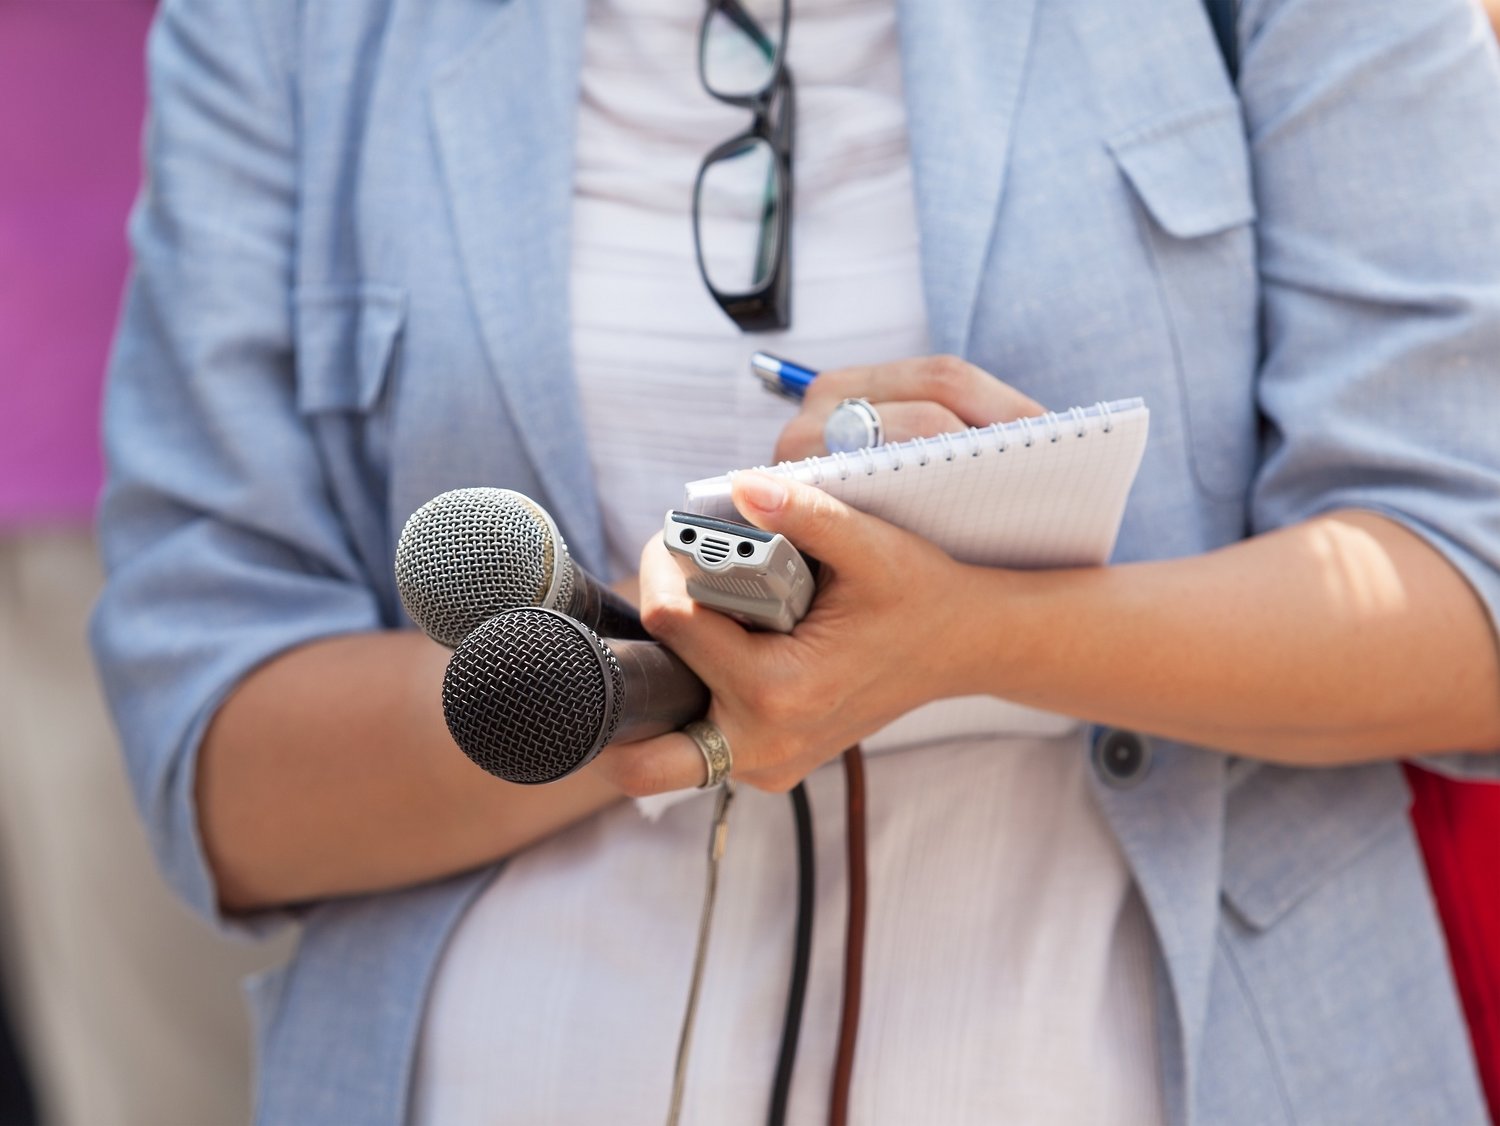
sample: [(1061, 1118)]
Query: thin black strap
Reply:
[(854, 937), (797, 991), (1221, 14)]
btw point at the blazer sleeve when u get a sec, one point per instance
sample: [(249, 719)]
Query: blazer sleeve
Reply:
[(221, 543), (1375, 135)]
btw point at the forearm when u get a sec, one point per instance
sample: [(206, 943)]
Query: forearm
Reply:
[(330, 771), (1346, 638)]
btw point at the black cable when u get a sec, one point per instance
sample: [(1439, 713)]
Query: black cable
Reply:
[(791, 1027), (17, 1105), (854, 937)]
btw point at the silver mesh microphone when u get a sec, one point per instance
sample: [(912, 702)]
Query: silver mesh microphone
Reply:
[(470, 554), (533, 695)]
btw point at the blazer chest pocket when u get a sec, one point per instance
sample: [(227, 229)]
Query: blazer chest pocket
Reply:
[(346, 341), (1191, 177), (1287, 830), (347, 345)]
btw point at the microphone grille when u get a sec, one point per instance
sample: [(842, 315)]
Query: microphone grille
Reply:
[(470, 554), (532, 695)]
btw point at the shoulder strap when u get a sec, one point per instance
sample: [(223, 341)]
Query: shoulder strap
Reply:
[(1221, 14)]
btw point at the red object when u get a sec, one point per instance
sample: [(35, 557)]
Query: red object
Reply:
[(1458, 824)]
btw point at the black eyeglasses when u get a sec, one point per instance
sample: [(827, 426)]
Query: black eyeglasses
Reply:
[(742, 61)]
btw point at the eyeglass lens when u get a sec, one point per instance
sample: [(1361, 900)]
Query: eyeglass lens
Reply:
[(741, 43), (742, 199), (740, 210)]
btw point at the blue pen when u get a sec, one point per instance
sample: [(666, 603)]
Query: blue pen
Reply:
[(782, 377)]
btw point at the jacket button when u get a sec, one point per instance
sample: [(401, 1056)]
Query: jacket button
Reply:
[(1122, 758)]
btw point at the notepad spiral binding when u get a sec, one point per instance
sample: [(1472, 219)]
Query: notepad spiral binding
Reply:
[(973, 442), (1048, 491)]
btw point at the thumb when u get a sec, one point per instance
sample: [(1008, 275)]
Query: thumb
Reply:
[(814, 522)]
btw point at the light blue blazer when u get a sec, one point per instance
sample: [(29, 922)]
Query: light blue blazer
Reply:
[(351, 293)]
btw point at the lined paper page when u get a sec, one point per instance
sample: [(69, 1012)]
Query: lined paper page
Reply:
[(1047, 492)]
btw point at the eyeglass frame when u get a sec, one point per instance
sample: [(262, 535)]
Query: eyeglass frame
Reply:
[(766, 307)]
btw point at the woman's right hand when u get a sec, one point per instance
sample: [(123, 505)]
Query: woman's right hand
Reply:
[(787, 703)]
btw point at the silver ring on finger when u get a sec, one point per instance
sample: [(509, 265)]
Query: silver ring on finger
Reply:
[(715, 750), (854, 425)]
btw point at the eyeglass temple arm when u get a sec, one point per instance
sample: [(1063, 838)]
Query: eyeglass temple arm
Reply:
[(784, 124), (772, 234), (746, 23)]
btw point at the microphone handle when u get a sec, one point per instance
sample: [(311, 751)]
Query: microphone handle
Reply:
[(661, 693), (601, 609)]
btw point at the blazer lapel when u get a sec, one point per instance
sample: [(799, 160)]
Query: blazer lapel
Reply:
[(505, 115), (962, 67), (1171, 830)]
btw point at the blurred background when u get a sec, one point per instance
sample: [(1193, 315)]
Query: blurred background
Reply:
[(117, 1006)]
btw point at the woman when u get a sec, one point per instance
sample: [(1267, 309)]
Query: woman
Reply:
[(419, 246)]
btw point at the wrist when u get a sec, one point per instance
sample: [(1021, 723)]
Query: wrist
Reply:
[(997, 632)]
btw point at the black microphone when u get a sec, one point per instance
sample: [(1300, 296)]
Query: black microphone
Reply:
[(533, 695), (470, 554)]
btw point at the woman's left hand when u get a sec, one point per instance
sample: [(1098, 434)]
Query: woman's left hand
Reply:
[(877, 642), (916, 398)]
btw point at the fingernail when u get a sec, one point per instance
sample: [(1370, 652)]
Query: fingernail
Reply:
[(761, 492)]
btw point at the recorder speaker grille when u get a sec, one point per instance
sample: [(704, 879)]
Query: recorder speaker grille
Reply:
[(715, 549)]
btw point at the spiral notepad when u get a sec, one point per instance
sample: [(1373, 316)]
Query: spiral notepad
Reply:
[(1037, 492)]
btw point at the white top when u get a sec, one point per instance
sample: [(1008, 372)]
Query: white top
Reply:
[(664, 376), (1008, 968)]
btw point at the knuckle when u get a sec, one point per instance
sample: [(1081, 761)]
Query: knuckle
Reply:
[(947, 373), (661, 619), (789, 703), (1024, 405), (768, 703), (778, 780), (932, 418), (778, 769), (801, 436), (634, 787), (823, 511), (632, 774), (832, 386)]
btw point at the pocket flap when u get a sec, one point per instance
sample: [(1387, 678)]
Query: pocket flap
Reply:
[(346, 336), (1286, 830), (1191, 172)]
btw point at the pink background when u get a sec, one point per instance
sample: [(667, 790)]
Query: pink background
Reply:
[(71, 95)]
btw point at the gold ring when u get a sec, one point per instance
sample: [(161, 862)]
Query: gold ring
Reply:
[(715, 748)]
